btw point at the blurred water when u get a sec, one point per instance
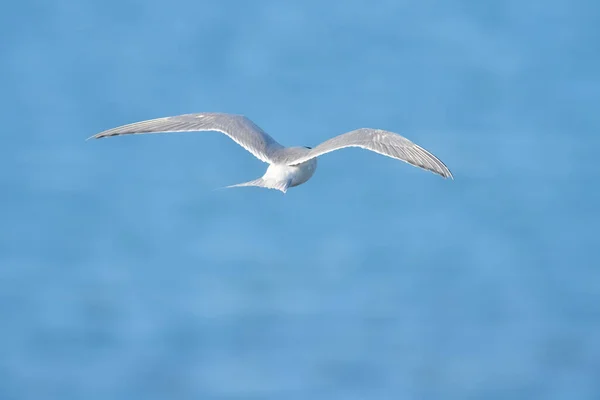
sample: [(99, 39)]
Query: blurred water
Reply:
[(124, 276)]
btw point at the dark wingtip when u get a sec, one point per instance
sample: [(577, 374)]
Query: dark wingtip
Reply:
[(97, 136)]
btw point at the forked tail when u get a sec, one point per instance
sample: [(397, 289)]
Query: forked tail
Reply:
[(282, 186)]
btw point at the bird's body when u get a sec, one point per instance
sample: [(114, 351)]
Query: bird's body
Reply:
[(282, 177), (288, 166)]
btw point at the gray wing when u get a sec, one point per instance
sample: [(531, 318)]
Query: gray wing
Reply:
[(239, 128), (383, 142)]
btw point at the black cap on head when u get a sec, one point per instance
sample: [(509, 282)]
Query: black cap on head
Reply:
[(307, 147)]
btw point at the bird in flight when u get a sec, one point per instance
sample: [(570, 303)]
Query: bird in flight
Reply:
[(288, 166)]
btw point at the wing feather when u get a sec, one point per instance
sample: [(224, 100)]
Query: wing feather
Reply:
[(239, 128), (379, 141)]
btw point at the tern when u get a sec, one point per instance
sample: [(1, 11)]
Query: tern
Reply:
[(288, 166)]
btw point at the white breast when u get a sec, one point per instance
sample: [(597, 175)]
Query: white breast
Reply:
[(297, 174)]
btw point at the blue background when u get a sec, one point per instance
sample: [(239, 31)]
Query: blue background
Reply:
[(123, 275)]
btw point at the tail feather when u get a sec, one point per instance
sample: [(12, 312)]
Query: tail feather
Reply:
[(282, 186)]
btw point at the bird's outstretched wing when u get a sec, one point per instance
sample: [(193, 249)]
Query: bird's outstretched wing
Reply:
[(383, 142), (239, 128)]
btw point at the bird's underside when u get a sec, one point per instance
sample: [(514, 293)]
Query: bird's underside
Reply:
[(289, 166)]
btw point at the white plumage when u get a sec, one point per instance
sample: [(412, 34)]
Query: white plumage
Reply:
[(289, 166)]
